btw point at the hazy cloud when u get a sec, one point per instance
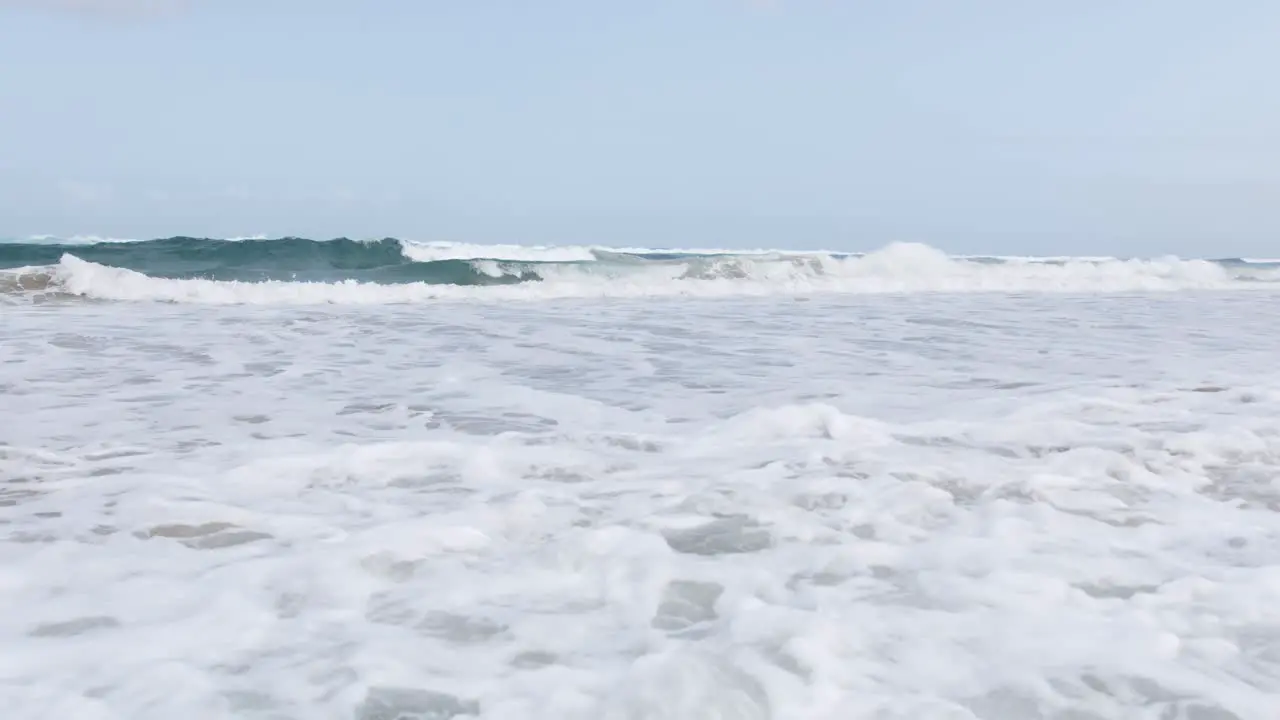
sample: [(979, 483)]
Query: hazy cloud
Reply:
[(86, 193), (108, 8)]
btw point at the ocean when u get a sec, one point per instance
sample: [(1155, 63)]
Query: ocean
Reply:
[(288, 478), (344, 271)]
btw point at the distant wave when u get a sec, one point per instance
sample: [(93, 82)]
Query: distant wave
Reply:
[(255, 260), (96, 239), (298, 270)]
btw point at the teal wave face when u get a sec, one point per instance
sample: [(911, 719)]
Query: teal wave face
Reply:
[(292, 259), (392, 262)]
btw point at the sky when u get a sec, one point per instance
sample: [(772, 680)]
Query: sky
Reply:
[(990, 126)]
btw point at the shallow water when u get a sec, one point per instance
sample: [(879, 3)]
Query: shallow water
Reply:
[(902, 506)]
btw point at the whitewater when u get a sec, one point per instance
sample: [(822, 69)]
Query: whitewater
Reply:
[(301, 271), (375, 480)]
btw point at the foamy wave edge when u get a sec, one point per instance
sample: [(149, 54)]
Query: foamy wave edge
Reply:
[(898, 268), (432, 251)]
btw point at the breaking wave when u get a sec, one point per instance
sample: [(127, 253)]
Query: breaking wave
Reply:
[(302, 271)]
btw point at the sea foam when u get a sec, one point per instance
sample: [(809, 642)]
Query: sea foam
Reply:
[(955, 507), (542, 273)]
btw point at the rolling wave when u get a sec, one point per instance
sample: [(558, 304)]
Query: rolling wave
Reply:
[(254, 260), (302, 271)]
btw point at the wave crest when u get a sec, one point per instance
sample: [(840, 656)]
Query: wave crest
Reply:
[(432, 252), (897, 268)]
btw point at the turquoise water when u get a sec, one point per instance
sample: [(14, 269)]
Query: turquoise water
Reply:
[(344, 271), (384, 261)]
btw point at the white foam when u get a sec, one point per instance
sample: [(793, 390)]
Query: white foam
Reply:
[(894, 507), (899, 268), (78, 239), (430, 252), (1045, 258)]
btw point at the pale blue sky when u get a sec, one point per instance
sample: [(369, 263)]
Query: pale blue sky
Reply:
[(1134, 127)]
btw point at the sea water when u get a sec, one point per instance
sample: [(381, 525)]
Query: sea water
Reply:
[(1034, 490)]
